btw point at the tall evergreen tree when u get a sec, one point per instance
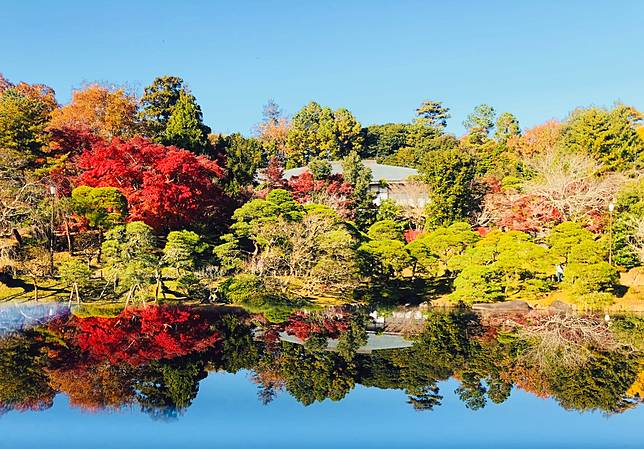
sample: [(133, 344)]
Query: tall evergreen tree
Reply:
[(157, 103), (507, 125), (432, 114), (317, 131), (359, 177), (23, 119), (185, 128), (608, 135), (450, 176), (240, 157), (481, 121)]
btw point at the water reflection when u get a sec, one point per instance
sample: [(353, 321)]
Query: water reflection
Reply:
[(15, 317), (153, 358)]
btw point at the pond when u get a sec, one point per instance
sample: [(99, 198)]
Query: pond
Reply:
[(342, 377)]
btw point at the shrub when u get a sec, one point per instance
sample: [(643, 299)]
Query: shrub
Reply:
[(192, 287), (582, 278), (386, 230), (251, 292), (384, 258), (501, 265)]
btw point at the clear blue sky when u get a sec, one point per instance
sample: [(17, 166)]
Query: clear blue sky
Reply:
[(537, 59)]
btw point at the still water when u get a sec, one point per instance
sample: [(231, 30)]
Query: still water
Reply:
[(168, 378)]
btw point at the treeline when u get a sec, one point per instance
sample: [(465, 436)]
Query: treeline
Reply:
[(115, 194)]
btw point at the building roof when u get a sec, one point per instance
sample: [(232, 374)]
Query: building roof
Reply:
[(380, 172)]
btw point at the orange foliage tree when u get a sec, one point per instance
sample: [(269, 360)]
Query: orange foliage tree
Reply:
[(537, 140), (104, 111), (94, 387)]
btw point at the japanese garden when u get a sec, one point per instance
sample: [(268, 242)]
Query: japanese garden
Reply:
[(379, 267)]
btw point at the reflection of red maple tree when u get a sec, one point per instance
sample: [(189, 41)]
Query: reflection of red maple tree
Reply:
[(329, 324), (139, 336)]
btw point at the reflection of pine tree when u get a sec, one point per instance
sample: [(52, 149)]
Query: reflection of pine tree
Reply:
[(312, 376), (23, 382), (168, 388), (424, 398), (236, 350), (266, 393), (498, 390), (472, 393), (355, 336)]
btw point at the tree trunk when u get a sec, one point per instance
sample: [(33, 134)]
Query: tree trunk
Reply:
[(70, 247), (17, 236), (77, 294), (35, 289), (100, 246)]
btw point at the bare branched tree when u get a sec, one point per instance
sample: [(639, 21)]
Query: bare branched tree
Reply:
[(636, 236), (565, 340), (572, 183), (412, 197)]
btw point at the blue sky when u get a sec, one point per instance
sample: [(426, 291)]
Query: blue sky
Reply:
[(380, 59)]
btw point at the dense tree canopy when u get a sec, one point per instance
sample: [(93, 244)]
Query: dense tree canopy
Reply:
[(185, 128), (450, 176), (240, 158), (608, 135), (24, 117), (158, 102), (318, 131), (165, 186), (206, 206), (104, 111)]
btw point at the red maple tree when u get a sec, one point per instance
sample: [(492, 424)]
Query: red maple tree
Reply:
[(332, 191), (166, 187), (530, 214)]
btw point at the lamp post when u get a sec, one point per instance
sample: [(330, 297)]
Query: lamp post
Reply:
[(52, 192), (611, 208)]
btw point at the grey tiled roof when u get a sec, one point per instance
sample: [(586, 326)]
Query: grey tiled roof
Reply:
[(380, 172)]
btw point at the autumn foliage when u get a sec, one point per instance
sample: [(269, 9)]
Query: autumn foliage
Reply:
[(104, 111), (93, 387), (138, 336), (332, 191), (330, 325), (166, 187)]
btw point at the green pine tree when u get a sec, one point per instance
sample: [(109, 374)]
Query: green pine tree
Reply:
[(185, 127)]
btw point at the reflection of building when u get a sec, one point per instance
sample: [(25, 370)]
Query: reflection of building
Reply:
[(403, 320), (375, 342), (389, 181)]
